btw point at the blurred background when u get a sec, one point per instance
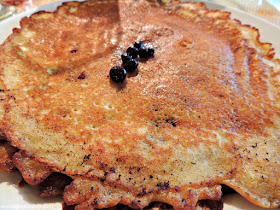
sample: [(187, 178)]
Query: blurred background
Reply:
[(266, 9)]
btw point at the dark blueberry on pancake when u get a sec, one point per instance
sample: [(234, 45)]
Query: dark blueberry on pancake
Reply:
[(138, 44), (125, 58), (132, 51), (131, 65), (143, 52), (117, 74), (151, 52)]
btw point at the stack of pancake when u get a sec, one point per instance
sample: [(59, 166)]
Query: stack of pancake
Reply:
[(203, 112)]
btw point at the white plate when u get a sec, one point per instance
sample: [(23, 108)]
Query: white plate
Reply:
[(13, 197)]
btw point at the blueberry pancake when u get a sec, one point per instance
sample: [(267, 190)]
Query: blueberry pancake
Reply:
[(141, 101)]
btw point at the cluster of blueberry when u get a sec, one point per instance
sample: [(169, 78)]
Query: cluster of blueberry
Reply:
[(130, 63)]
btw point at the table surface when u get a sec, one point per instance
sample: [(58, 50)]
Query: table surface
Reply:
[(266, 9)]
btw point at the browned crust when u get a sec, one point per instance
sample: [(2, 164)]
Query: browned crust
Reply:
[(32, 171), (6, 153), (90, 194)]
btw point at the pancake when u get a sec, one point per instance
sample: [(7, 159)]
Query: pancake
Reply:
[(6, 153), (204, 111), (32, 171)]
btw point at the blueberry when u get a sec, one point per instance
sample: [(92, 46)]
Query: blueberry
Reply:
[(143, 52), (132, 51), (146, 52), (125, 58), (151, 52), (138, 45), (131, 65), (82, 76), (117, 74)]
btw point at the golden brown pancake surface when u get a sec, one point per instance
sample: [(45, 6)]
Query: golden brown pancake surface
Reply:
[(202, 112)]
